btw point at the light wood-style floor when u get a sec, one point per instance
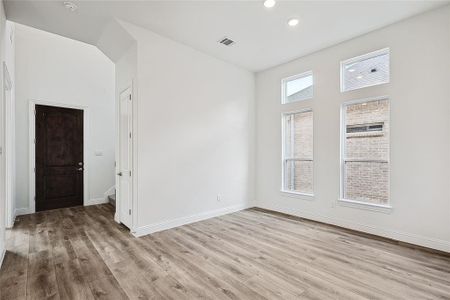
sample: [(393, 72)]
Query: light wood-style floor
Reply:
[(81, 253)]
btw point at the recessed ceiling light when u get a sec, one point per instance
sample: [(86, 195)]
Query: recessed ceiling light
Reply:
[(269, 3), (293, 22), (359, 76), (351, 70), (70, 6)]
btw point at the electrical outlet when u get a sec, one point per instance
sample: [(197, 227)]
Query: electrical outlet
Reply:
[(219, 197)]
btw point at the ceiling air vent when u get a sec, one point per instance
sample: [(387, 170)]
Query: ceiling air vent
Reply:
[(226, 41)]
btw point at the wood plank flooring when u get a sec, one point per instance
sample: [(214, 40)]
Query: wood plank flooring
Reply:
[(81, 253)]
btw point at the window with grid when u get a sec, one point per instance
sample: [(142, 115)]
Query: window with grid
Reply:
[(298, 152), (365, 152)]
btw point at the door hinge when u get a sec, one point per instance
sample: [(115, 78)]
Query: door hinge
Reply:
[(130, 173), (129, 211), (34, 169), (130, 135), (129, 97)]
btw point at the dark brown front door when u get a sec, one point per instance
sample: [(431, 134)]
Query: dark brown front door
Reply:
[(59, 157)]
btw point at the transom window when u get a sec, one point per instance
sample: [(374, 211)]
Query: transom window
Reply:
[(365, 70), (365, 152), (297, 88), (298, 160)]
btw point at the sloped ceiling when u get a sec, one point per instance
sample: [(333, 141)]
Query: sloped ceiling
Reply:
[(262, 36)]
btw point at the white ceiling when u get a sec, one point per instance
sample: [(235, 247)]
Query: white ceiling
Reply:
[(262, 36)]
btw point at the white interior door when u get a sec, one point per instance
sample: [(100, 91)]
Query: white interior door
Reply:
[(124, 174)]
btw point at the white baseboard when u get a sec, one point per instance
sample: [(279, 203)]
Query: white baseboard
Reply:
[(410, 238), (116, 217), (21, 211), (151, 228), (95, 201), (2, 256), (26, 211)]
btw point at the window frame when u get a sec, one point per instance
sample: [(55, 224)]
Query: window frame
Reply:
[(361, 58), (386, 208), (284, 82), (283, 190)]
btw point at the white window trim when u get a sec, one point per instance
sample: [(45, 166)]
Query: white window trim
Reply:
[(290, 78), (298, 195), (283, 191), (365, 205), (355, 203), (364, 57)]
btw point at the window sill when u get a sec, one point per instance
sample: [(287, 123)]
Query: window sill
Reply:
[(299, 195), (367, 206)]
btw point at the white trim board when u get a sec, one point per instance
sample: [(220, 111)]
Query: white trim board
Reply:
[(2, 257), (406, 237), (152, 228), (32, 149), (95, 201), (21, 211)]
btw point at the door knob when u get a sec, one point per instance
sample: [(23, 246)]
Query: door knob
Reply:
[(80, 163), (119, 174), (80, 169)]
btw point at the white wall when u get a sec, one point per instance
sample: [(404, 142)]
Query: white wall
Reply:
[(420, 132), (195, 134), (56, 69)]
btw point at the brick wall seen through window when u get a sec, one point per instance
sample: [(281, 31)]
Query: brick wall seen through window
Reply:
[(298, 152), (366, 152)]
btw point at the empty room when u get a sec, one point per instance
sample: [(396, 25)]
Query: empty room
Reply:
[(261, 149)]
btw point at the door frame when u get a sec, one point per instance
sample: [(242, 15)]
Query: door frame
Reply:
[(32, 149), (134, 157)]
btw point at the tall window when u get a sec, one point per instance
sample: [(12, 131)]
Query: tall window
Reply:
[(298, 152), (297, 88), (365, 152)]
